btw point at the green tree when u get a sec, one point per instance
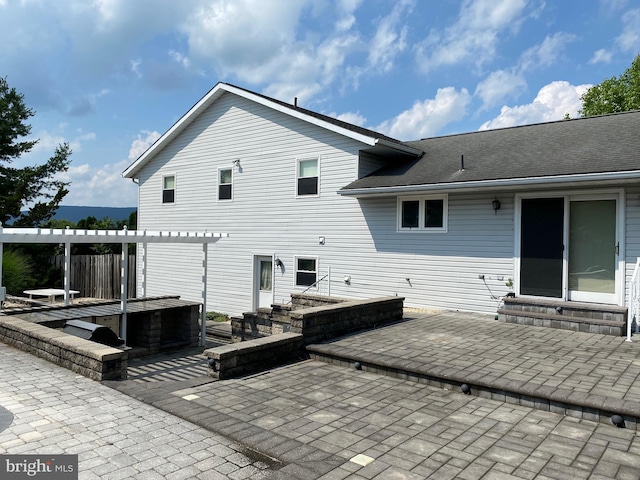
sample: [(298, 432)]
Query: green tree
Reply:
[(616, 94), (35, 188)]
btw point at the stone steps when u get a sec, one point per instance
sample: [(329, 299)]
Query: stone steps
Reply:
[(575, 316)]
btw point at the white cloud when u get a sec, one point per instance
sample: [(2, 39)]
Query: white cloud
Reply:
[(426, 118), (601, 56), (498, 86), (241, 35), (346, 17), (350, 117), (552, 103), (141, 144), (547, 52), (629, 39), (390, 37), (100, 186), (474, 36)]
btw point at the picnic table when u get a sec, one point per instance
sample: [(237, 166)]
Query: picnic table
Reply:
[(51, 293)]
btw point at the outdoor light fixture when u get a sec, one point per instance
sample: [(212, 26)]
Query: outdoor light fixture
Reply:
[(466, 389), (357, 366), (618, 421), (212, 364), (496, 205)]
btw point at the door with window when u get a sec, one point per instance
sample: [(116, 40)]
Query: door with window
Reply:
[(263, 281), (570, 247)]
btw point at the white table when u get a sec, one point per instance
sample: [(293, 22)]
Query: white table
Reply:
[(52, 293)]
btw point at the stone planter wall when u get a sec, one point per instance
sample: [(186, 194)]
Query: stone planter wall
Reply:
[(274, 335), (93, 360), (242, 358)]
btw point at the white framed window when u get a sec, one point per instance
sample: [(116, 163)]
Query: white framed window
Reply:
[(306, 271), (168, 189), (225, 184), (423, 213), (308, 177)]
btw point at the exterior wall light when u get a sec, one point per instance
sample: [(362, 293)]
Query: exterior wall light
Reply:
[(496, 205)]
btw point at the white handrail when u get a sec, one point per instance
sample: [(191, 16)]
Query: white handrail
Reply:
[(633, 307)]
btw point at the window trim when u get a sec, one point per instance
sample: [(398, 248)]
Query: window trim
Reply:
[(422, 199), (175, 184), (220, 169), (317, 177), (296, 271)]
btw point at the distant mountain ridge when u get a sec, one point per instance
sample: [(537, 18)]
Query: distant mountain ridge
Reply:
[(75, 213)]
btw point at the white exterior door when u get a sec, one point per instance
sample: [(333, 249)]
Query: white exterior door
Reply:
[(263, 281)]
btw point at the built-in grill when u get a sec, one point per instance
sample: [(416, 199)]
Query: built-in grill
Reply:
[(93, 331)]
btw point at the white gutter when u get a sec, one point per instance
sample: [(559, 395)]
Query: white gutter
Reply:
[(499, 183)]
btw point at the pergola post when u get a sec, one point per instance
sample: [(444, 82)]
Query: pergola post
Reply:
[(67, 271), (124, 287), (203, 312), (2, 288), (144, 270)]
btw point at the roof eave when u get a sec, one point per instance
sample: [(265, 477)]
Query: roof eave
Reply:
[(221, 88), (556, 180)]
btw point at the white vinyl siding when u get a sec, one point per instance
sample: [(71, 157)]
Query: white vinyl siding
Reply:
[(362, 240)]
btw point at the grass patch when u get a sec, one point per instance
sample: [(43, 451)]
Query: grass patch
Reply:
[(218, 317)]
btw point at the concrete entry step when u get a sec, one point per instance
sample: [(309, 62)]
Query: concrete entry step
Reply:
[(575, 316)]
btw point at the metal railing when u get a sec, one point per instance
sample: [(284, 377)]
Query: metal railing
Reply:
[(633, 314)]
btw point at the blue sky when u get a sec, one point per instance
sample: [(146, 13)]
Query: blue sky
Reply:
[(110, 76)]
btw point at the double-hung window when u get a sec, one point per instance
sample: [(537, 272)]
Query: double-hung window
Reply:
[(306, 271), (225, 184), (168, 189), (424, 213), (308, 177)]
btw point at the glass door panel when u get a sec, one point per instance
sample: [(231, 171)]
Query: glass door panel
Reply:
[(541, 247), (592, 250)]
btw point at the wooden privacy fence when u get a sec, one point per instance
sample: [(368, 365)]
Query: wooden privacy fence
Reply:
[(98, 276)]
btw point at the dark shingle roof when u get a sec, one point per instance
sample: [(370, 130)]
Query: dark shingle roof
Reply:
[(608, 143)]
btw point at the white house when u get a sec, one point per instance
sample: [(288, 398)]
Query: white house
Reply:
[(310, 202)]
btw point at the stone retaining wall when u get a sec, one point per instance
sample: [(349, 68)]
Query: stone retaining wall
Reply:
[(317, 317), (274, 335), (93, 360), (242, 358)]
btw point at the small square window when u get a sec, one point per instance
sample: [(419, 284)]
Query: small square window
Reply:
[(306, 271), (307, 177), (169, 189), (225, 184)]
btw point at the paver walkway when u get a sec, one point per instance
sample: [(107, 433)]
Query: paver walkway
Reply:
[(46, 409), (323, 421), (330, 422), (596, 371)]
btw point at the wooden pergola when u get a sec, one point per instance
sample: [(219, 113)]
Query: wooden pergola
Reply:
[(142, 237)]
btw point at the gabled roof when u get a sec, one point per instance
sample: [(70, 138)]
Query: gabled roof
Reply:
[(587, 148), (366, 136)]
